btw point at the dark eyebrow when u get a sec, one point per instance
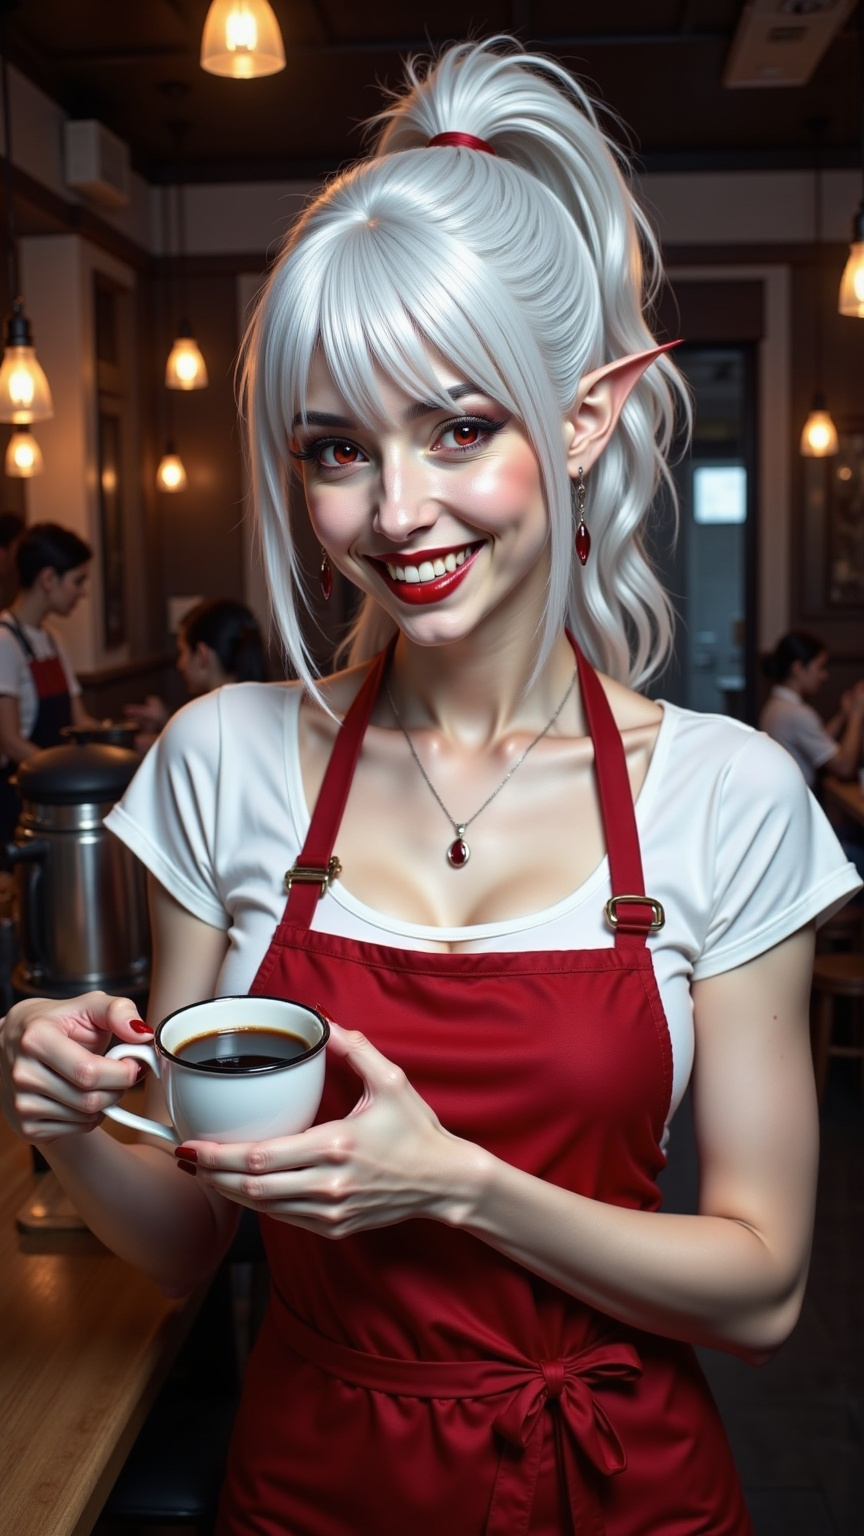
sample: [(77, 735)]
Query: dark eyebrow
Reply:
[(422, 408)]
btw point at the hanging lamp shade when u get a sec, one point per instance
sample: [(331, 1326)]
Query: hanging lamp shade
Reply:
[(241, 39), (24, 392), (185, 368), (851, 300), (171, 474), (819, 436), (23, 455)]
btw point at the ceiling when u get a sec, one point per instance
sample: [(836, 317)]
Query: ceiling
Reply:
[(133, 64)]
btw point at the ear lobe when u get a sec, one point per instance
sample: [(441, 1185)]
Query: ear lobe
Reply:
[(599, 403)]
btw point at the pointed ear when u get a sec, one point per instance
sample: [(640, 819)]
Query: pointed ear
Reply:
[(599, 403)]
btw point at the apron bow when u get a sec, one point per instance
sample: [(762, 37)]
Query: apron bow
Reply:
[(584, 1429)]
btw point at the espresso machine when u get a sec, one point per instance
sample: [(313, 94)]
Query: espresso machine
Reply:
[(81, 896)]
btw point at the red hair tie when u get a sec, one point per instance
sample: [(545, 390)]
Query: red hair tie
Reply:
[(461, 141)]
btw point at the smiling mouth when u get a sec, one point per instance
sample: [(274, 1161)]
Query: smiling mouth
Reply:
[(427, 576)]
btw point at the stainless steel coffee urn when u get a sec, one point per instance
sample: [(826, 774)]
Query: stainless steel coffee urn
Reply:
[(81, 893)]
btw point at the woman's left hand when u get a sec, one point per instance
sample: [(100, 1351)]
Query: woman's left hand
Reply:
[(389, 1160)]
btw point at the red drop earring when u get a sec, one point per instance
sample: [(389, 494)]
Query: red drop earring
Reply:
[(583, 537), (325, 575)]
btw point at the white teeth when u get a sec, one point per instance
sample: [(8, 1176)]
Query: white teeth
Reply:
[(428, 570)]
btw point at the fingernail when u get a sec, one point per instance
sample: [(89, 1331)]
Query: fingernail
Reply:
[(187, 1167), (140, 1027), (188, 1154), (143, 1069)]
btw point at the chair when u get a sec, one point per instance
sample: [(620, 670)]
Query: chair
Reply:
[(836, 976)]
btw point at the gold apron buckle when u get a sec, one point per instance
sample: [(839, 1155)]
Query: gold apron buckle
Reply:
[(614, 902), (313, 875)]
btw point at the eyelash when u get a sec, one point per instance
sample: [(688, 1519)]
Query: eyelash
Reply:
[(312, 454)]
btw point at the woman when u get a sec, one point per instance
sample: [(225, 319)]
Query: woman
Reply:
[(218, 642), (498, 1340), (798, 667), (39, 692)]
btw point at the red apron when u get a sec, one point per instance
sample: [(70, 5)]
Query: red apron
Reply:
[(53, 712), (411, 1381)]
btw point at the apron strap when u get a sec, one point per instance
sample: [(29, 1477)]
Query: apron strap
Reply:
[(316, 865), (629, 911)]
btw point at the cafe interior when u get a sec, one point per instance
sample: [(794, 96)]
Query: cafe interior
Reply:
[(150, 172)]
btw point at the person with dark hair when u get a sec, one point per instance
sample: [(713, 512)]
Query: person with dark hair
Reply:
[(11, 529), (798, 666), (218, 641), (39, 692)]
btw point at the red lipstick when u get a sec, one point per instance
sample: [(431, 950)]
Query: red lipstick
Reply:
[(419, 593)]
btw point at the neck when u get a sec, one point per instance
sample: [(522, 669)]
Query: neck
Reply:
[(476, 693), (29, 607)]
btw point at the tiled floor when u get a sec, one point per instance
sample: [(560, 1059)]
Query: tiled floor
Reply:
[(797, 1424)]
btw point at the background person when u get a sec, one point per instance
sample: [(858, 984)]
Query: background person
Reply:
[(39, 692), (476, 1298), (798, 666), (218, 641)]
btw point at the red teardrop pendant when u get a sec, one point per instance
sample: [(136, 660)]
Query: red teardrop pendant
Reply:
[(458, 853), (326, 576), (583, 543)]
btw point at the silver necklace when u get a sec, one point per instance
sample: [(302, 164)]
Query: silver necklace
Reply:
[(458, 853)]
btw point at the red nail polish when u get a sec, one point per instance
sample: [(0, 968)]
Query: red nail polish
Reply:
[(140, 1027), (187, 1167), (188, 1154)]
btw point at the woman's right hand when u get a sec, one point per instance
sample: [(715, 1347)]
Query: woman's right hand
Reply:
[(54, 1080)]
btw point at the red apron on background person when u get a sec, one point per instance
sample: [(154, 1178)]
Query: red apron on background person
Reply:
[(54, 710), (411, 1380)]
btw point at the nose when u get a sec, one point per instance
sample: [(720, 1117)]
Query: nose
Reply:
[(403, 503)]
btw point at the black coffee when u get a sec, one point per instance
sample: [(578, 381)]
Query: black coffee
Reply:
[(252, 1049)]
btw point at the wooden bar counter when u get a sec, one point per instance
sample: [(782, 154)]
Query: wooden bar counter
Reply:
[(85, 1344)]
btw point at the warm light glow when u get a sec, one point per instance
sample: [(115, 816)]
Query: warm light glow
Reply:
[(241, 39), (23, 455), (186, 368), (24, 392), (851, 301), (819, 437), (171, 476)]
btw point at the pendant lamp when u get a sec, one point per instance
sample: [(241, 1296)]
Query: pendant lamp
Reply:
[(851, 298), (171, 475), (185, 368), (819, 436), (24, 392), (23, 455), (241, 39)]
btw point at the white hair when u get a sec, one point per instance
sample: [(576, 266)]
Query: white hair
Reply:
[(524, 270)]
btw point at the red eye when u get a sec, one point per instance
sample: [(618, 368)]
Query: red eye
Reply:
[(465, 434), (343, 453)]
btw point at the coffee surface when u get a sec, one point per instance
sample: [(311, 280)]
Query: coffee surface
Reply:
[(250, 1049)]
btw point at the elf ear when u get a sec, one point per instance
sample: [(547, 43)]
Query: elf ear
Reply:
[(599, 403)]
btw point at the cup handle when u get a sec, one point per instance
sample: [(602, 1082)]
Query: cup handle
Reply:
[(146, 1054)]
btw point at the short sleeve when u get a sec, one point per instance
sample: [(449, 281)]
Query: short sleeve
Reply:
[(168, 814), (777, 864), (11, 658), (813, 741)]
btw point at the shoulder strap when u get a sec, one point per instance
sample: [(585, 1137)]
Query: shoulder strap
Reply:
[(15, 629), (631, 913), (315, 866)]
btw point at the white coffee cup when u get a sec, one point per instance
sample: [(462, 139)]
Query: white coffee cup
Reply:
[(234, 1069)]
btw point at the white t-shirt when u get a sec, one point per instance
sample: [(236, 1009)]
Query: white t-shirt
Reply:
[(217, 813), (796, 725), (16, 679)]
